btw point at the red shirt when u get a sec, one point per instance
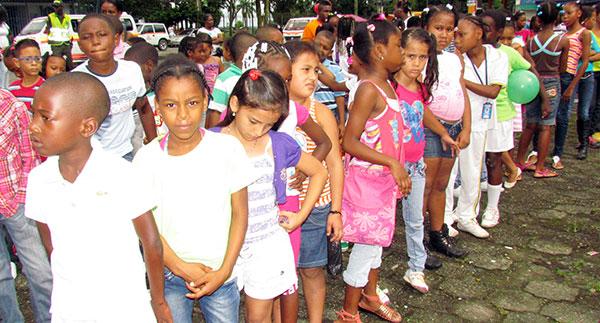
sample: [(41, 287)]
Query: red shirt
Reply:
[(23, 93)]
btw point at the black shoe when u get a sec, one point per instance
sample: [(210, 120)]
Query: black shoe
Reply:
[(432, 262), (442, 243), (583, 152)]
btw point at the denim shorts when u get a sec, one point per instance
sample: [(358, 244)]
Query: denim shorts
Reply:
[(533, 110), (433, 142), (313, 249)]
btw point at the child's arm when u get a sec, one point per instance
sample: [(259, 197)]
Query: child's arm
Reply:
[(489, 91), (341, 104), (146, 117), (431, 122), (146, 230), (46, 237), (585, 59), (310, 166), (210, 282), (188, 271), (218, 61), (335, 167), (328, 78), (464, 137), (364, 106)]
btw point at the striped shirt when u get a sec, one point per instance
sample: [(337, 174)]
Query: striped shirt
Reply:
[(325, 197), (326, 95), (17, 157), (223, 88), (575, 51), (25, 93)]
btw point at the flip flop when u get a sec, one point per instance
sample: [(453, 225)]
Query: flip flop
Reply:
[(508, 184), (546, 173), (526, 167), (383, 311)]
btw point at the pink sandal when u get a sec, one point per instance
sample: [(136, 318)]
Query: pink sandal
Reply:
[(383, 311), (347, 317), (546, 173)]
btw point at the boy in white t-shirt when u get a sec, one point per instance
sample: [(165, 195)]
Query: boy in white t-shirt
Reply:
[(89, 205), (122, 79)]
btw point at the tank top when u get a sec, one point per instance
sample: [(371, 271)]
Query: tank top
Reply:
[(448, 98), (575, 51), (309, 147), (383, 133), (263, 218), (211, 71), (596, 64), (547, 61)]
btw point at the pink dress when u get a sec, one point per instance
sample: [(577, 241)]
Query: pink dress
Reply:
[(211, 71)]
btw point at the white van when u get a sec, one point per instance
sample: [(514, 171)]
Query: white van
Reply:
[(155, 34), (295, 27), (36, 27)]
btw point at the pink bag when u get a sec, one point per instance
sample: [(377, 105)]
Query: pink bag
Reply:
[(369, 197)]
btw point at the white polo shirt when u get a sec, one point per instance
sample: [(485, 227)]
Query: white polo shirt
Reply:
[(97, 266)]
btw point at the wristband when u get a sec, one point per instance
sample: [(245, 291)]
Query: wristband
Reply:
[(335, 212)]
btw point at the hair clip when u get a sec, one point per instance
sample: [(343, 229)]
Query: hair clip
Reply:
[(264, 47), (380, 17), (350, 60), (449, 6), (350, 41), (539, 13), (254, 74), (371, 27), (425, 10)]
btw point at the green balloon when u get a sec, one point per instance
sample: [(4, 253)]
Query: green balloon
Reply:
[(523, 86)]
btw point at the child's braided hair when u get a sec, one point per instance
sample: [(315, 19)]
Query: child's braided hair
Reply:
[(178, 66), (260, 52)]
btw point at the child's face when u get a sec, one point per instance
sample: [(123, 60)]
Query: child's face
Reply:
[(97, 40), (110, 9), (201, 53), (589, 23), (54, 129), (180, 102), (492, 33), (393, 55), (280, 65), (522, 21), (304, 75), (29, 61), (571, 14), (324, 47), (416, 55), (468, 36), (253, 123), (507, 36), (442, 27), (55, 65)]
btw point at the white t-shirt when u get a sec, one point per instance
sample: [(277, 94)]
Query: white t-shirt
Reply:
[(497, 73), (96, 260), (193, 192), (124, 86)]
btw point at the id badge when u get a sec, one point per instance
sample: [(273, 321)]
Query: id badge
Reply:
[(486, 112)]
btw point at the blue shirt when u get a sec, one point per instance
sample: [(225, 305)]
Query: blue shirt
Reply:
[(326, 95)]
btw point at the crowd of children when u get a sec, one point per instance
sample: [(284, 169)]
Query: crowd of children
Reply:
[(238, 173)]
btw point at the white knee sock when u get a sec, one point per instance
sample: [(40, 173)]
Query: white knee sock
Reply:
[(493, 196)]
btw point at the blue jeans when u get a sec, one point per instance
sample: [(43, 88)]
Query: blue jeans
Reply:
[(585, 90), (223, 305), (412, 212), (36, 267)]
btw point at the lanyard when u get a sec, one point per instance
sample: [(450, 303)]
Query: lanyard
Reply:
[(486, 68)]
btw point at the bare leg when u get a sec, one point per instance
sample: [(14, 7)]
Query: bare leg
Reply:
[(543, 144), (258, 310), (524, 142), (289, 308), (313, 284)]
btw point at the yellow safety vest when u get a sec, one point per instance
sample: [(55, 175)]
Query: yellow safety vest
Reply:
[(59, 31)]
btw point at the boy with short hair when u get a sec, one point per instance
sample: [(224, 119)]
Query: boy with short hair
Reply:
[(270, 33), (89, 205), (122, 79), (334, 100), (17, 158), (9, 71), (225, 82), (29, 61)]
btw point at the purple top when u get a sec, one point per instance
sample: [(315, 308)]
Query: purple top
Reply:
[(286, 153)]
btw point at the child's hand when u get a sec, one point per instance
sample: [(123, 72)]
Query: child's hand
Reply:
[(193, 271), (448, 142), (207, 284), (161, 311), (289, 220), (297, 180), (546, 109), (567, 95), (401, 177), (463, 139), (335, 229)]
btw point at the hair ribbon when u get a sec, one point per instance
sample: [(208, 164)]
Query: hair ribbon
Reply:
[(371, 27)]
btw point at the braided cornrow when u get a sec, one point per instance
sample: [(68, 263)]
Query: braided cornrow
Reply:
[(178, 66), (258, 54)]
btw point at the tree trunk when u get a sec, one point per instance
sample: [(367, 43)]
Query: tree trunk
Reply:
[(259, 21), (267, 12)]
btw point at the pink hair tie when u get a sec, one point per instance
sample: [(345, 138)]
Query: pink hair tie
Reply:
[(380, 17), (254, 75), (350, 60), (371, 27)]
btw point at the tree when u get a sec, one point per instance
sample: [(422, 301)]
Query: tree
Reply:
[(232, 10), (247, 8)]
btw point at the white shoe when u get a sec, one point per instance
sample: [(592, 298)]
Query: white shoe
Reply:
[(508, 184), (456, 192), (452, 232), (473, 228), (416, 280), (490, 218)]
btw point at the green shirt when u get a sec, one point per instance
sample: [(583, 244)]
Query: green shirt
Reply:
[(223, 88), (505, 110)]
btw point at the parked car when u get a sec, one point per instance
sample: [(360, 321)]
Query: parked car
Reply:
[(155, 34), (36, 27), (294, 28), (176, 40)]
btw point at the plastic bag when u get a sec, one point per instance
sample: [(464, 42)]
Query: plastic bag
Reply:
[(334, 258)]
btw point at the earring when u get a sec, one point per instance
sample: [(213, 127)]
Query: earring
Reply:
[(381, 58), (233, 114)]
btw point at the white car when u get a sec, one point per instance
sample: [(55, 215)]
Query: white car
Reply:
[(36, 27), (295, 27), (155, 34)]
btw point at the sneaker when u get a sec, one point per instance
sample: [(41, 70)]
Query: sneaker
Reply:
[(452, 232), (490, 218), (416, 280), (473, 228)]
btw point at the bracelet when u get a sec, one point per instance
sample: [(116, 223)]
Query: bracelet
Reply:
[(335, 212)]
